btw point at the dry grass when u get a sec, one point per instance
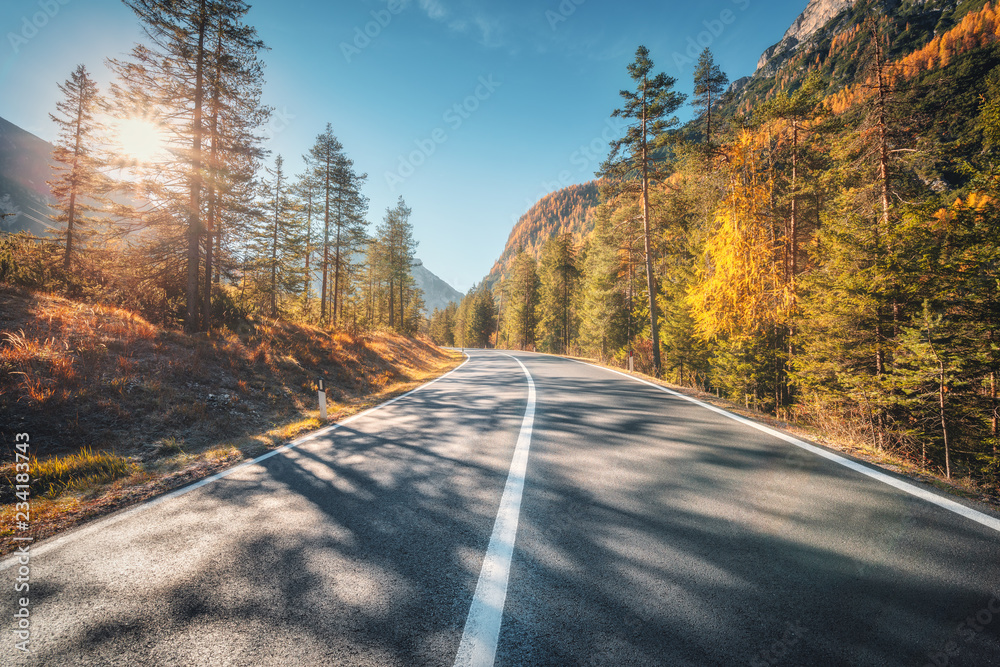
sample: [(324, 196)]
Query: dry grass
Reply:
[(159, 408), (82, 471)]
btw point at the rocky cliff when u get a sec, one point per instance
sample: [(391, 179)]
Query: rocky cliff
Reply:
[(816, 15)]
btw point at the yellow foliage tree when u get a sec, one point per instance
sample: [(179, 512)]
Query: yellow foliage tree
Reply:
[(740, 289)]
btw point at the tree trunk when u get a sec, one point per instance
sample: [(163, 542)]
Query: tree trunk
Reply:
[(650, 280), (370, 301), (309, 213), (206, 298), (71, 211), (499, 315), (336, 261), (793, 242), (993, 406), (274, 248), (392, 304), (70, 217), (883, 134), (194, 214), (883, 231), (568, 269), (210, 228), (708, 121), (944, 422), (882, 226), (793, 262), (778, 375), (326, 242)]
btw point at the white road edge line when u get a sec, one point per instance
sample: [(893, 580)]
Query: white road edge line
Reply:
[(102, 524), (478, 647), (923, 494)]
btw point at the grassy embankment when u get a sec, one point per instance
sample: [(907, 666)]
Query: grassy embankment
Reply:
[(119, 410)]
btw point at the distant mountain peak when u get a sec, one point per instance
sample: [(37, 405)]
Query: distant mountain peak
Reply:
[(437, 293), (25, 166), (815, 16), (567, 210)]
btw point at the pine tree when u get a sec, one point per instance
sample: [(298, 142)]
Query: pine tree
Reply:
[(877, 134), (477, 317), (975, 262), (280, 240), (462, 317), (233, 116), (798, 111), (413, 318), (395, 238), (78, 183), (448, 324), (928, 372), (173, 79), (687, 201), (371, 289), (351, 208), (858, 299), (558, 275), (520, 299), (649, 107), (709, 83), (794, 118), (604, 308), (323, 160), (344, 210), (308, 194), (442, 325)]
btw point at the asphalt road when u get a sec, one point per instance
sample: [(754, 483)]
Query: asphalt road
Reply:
[(649, 531)]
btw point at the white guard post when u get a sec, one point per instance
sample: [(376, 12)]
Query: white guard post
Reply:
[(322, 400)]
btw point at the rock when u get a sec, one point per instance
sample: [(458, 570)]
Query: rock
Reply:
[(736, 86), (816, 15)]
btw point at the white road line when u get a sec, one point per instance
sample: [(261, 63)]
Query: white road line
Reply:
[(482, 626), (103, 524), (906, 487)]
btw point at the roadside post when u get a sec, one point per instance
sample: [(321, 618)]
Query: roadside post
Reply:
[(322, 399), (631, 364)]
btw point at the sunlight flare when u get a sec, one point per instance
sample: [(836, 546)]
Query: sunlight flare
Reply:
[(140, 139)]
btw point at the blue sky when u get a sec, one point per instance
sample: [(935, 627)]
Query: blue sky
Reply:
[(469, 109)]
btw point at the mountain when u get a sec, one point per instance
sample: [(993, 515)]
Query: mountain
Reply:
[(569, 210), (816, 16), (829, 37), (437, 293), (25, 166)]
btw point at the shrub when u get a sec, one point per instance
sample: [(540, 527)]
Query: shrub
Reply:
[(53, 476), (29, 262)]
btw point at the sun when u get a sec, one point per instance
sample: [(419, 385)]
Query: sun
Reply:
[(140, 139)]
